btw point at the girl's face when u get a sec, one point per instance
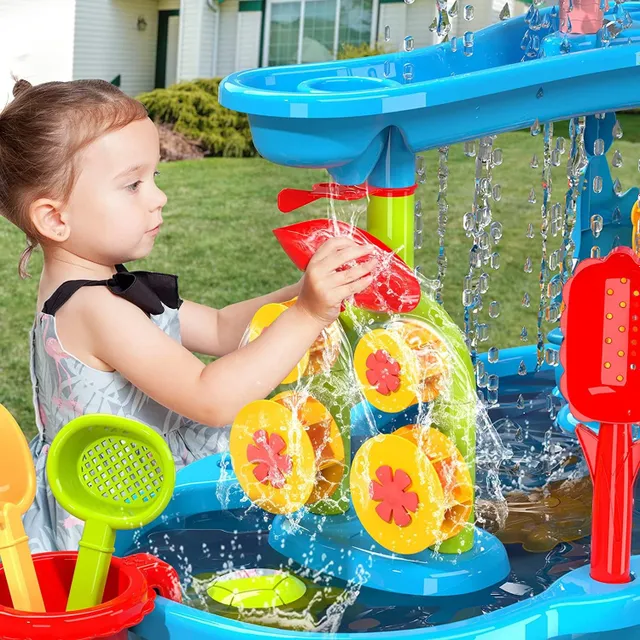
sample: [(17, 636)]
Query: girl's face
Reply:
[(115, 210)]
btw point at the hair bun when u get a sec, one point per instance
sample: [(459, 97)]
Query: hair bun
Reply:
[(20, 87)]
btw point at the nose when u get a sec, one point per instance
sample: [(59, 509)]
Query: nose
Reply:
[(159, 200)]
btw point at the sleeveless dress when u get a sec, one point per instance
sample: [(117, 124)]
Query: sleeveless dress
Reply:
[(65, 388)]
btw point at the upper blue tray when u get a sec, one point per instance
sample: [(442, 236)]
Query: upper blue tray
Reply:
[(341, 115)]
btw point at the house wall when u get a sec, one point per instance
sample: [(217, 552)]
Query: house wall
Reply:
[(197, 39), (108, 43), (248, 40), (36, 42)]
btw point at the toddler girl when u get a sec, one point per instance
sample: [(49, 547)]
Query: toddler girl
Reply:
[(77, 175)]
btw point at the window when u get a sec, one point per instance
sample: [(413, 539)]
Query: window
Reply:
[(302, 31)]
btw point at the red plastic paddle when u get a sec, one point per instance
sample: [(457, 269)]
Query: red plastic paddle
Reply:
[(601, 381), (292, 199), (395, 288)]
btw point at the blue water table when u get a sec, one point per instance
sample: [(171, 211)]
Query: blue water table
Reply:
[(336, 510)]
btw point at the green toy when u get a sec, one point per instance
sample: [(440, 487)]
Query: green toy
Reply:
[(113, 473)]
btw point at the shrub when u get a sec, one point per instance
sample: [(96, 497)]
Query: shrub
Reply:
[(192, 109), (348, 51)]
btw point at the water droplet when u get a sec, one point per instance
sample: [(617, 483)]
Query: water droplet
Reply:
[(496, 231), (520, 400), (530, 232), (470, 149), (597, 184), (453, 11), (434, 25), (565, 45), (524, 335), (528, 265), (505, 13), (469, 12), (596, 225), (420, 165), (522, 371), (550, 356), (454, 44), (467, 297), (560, 145), (408, 43), (483, 332), (444, 23), (540, 93), (617, 186), (553, 313), (493, 355), (417, 239), (387, 33), (493, 382), (497, 192), (407, 71), (532, 196), (495, 260), (617, 130), (419, 223), (556, 158), (553, 261), (467, 222), (616, 161), (598, 147), (468, 43), (526, 300), (534, 162), (483, 283), (494, 309), (496, 157), (616, 216), (535, 128), (595, 252)]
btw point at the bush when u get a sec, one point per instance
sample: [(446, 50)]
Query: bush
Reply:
[(192, 109), (348, 51)]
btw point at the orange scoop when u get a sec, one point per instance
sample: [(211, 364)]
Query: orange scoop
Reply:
[(17, 491)]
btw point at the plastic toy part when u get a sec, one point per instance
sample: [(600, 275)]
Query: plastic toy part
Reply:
[(581, 16), (635, 231), (17, 490), (400, 364), (129, 595), (113, 473), (411, 489), (287, 452), (256, 589), (602, 309), (395, 288)]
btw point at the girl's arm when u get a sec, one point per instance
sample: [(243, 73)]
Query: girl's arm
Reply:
[(217, 332), (123, 337)]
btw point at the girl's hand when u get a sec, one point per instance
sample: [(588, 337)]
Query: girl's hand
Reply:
[(335, 272)]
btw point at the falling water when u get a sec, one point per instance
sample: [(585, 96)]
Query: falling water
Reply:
[(443, 209)]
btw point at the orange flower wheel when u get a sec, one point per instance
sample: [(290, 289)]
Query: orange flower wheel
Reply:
[(272, 456), (397, 494), (263, 318)]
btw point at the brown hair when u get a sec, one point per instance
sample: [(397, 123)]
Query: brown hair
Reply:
[(41, 133)]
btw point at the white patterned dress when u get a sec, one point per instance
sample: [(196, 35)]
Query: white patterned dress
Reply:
[(65, 388)]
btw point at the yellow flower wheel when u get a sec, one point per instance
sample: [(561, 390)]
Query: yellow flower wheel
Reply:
[(273, 457), (262, 319), (325, 437), (453, 472), (399, 363), (397, 494)]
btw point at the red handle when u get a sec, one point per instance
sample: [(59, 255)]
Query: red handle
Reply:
[(160, 576), (292, 199), (613, 462)]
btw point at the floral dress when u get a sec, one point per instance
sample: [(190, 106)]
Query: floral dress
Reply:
[(65, 388)]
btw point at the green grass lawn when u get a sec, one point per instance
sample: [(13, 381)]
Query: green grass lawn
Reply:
[(217, 237)]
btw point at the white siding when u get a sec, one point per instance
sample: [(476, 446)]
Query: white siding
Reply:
[(394, 16), (197, 28), (248, 40), (108, 42), (228, 38), (164, 5), (36, 42)]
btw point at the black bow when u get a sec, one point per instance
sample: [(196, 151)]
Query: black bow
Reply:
[(146, 289)]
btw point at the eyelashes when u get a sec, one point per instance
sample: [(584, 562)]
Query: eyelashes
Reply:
[(133, 187)]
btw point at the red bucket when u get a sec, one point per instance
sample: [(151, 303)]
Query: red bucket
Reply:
[(129, 595)]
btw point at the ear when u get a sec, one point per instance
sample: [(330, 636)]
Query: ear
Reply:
[(50, 219)]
